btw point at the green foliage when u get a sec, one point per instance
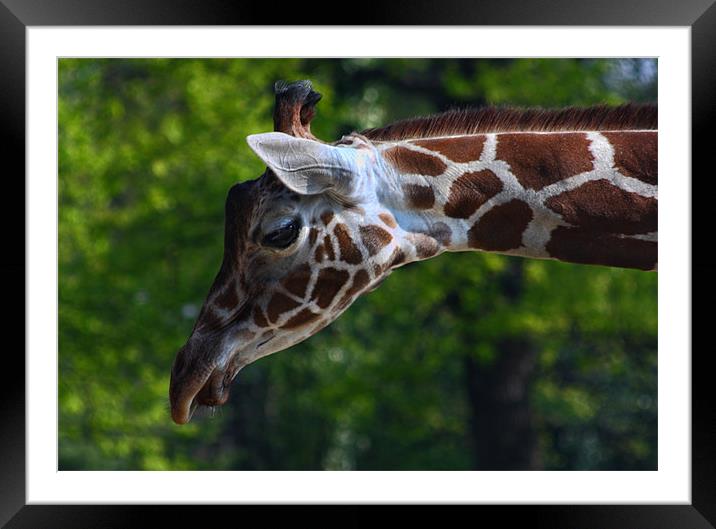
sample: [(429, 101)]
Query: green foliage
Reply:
[(148, 150)]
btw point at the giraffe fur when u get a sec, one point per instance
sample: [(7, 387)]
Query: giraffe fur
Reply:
[(359, 208)]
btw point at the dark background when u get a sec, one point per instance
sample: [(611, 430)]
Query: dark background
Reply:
[(467, 361)]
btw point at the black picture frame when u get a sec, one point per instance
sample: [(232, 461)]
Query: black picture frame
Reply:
[(17, 15)]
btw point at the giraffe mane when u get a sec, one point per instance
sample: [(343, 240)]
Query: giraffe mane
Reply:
[(630, 116)]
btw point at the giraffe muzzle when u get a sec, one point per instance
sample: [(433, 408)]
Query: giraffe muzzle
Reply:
[(215, 391), (186, 396)]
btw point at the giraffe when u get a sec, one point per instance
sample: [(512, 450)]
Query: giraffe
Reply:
[(327, 222)]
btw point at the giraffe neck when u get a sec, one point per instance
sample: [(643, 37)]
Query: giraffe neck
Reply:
[(583, 197)]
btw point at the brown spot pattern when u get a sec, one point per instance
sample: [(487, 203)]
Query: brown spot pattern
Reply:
[(470, 191), (228, 299), (425, 246), (419, 197), (343, 303), (329, 282), (312, 236), (388, 219), (328, 245), (577, 245), (327, 217), (407, 161), (538, 160), (462, 149), (297, 281), (319, 253), (299, 320), (635, 154), (360, 281), (397, 258), (259, 318), (600, 206), (374, 238), (501, 228), (279, 304), (349, 251)]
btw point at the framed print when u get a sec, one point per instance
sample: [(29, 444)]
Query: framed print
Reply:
[(528, 387)]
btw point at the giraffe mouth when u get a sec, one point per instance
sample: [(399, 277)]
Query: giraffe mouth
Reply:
[(212, 389)]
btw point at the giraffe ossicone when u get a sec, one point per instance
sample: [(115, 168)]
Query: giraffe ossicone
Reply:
[(327, 222)]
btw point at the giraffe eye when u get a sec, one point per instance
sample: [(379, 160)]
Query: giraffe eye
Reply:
[(283, 235)]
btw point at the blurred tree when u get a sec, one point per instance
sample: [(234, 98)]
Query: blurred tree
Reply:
[(464, 361)]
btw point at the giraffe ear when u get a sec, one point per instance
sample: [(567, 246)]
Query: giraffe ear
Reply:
[(306, 166)]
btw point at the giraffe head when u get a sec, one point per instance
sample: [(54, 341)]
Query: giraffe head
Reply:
[(302, 242)]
